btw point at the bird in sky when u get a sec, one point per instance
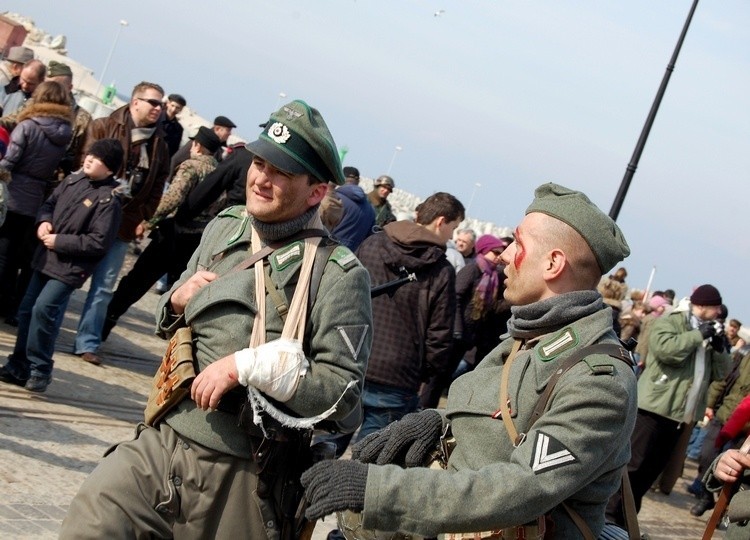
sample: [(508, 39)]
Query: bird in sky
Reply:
[(438, 13)]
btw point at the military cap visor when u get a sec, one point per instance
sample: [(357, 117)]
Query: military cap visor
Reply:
[(274, 155)]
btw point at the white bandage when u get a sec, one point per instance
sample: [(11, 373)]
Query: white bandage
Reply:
[(273, 368)]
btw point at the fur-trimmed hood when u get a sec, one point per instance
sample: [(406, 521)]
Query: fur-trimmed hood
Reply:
[(47, 110)]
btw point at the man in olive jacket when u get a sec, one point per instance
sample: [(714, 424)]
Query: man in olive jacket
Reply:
[(573, 453), (684, 356), (198, 473)]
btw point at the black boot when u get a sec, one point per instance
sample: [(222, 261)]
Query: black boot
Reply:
[(706, 502), (109, 323)]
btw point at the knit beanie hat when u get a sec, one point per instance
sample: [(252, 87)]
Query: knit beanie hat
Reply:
[(109, 151), (487, 243), (706, 295), (4, 140), (658, 301)]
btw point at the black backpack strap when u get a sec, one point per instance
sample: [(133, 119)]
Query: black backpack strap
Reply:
[(611, 349)]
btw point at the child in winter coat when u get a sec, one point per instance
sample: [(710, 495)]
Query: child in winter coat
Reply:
[(76, 226)]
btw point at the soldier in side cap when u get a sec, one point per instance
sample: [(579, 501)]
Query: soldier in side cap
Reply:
[(281, 332), (562, 463)]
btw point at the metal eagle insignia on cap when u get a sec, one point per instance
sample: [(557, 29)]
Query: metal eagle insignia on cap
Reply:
[(291, 113), (279, 133)]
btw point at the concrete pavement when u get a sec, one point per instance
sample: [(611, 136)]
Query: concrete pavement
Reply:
[(50, 442)]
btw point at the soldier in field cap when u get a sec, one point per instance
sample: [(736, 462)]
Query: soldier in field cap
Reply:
[(281, 332), (513, 473)]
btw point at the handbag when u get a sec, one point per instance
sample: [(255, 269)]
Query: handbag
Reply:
[(173, 378)]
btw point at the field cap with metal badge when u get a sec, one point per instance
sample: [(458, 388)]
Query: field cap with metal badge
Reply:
[(296, 140), (599, 230)]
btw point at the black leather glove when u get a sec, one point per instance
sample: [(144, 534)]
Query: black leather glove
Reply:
[(334, 485), (707, 329), (407, 442), (719, 343)]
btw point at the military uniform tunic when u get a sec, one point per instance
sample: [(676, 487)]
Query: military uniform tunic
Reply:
[(192, 476), (574, 453)]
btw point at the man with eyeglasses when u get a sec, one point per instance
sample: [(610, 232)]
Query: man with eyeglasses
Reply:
[(143, 174), (381, 188)]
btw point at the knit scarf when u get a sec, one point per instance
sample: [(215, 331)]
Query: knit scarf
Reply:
[(140, 135), (552, 314), (485, 292), (271, 232)]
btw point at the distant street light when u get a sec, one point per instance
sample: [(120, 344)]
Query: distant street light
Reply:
[(477, 185), (123, 24), (393, 159), (282, 95)]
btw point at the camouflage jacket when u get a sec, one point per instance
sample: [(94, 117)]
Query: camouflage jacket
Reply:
[(187, 176)]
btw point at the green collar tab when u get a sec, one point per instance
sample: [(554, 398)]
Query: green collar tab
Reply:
[(286, 256), (563, 341)]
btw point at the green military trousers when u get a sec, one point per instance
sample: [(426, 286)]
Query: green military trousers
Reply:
[(162, 485)]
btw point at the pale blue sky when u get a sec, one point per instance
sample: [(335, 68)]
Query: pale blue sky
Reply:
[(509, 94)]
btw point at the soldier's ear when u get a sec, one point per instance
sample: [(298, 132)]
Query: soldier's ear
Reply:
[(556, 264), (318, 192)]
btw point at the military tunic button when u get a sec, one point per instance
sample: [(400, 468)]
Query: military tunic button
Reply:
[(185, 445), (177, 481), (269, 524)]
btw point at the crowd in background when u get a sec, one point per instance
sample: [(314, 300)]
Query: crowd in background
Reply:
[(432, 275)]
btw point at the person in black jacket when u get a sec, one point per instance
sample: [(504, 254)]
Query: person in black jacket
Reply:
[(76, 226), (481, 315)]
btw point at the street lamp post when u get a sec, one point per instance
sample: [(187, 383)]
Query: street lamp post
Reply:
[(123, 24), (477, 185), (393, 159)]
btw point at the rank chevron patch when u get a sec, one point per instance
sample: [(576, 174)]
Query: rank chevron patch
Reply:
[(549, 453), (353, 334)]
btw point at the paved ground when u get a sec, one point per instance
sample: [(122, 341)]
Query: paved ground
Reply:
[(50, 442)]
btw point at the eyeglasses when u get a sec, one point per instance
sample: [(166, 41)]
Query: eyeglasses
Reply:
[(153, 102)]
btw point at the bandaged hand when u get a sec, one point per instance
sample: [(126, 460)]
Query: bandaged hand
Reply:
[(334, 485), (408, 442), (274, 368)]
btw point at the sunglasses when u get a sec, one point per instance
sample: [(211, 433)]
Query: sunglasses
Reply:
[(153, 102)]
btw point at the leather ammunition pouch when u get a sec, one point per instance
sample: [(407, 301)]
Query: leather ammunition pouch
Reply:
[(172, 381)]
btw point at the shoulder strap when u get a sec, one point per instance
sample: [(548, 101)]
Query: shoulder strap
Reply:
[(621, 353), (321, 259), (615, 351)]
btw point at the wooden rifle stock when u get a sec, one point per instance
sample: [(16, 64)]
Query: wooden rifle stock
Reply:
[(723, 502)]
